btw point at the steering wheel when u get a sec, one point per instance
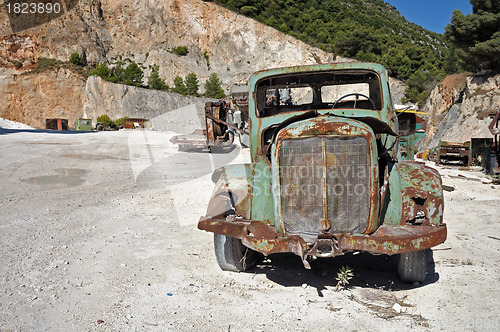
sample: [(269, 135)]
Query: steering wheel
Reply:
[(357, 97)]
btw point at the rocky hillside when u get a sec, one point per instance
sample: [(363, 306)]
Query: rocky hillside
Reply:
[(218, 41), (146, 32), (459, 108), (31, 99)]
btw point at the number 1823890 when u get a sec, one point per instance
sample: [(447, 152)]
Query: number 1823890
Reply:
[(33, 8)]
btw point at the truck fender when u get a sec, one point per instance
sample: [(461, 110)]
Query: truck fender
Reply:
[(413, 188), (232, 194)]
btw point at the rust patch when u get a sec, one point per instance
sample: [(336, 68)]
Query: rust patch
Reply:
[(236, 229), (423, 193), (386, 240), (261, 230), (395, 239)]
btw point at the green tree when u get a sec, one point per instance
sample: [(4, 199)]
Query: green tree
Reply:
[(119, 122), (105, 120), (419, 86), (179, 85), (101, 70), (477, 35), (117, 73), (192, 84), (132, 75), (213, 87), (75, 59), (248, 10), (155, 81)]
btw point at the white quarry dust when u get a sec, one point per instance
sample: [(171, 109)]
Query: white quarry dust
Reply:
[(98, 233), (8, 124)]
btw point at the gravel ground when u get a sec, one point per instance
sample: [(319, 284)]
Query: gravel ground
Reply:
[(98, 233)]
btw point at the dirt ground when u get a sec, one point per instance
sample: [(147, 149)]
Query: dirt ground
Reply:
[(98, 233)]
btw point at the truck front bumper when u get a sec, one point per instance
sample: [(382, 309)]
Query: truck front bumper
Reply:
[(386, 240)]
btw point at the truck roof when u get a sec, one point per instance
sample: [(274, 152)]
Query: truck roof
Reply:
[(317, 68)]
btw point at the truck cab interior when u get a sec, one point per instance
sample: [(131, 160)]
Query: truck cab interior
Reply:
[(356, 89)]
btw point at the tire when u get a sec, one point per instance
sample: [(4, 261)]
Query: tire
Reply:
[(232, 255), (412, 266)]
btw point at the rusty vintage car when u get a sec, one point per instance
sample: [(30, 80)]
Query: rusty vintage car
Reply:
[(326, 175)]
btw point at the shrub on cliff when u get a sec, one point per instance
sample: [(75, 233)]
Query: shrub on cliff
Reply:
[(102, 70), (181, 50), (75, 59), (44, 64), (131, 75)]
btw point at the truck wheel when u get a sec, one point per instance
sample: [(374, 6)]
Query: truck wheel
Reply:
[(412, 266), (232, 255)]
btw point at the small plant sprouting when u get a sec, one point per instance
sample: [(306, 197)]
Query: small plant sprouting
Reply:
[(343, 276)]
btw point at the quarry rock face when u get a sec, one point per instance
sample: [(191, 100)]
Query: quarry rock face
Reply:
[(218, 41), (459, 108), (118, 100), (31, 98), (17, 51), (147, 32)]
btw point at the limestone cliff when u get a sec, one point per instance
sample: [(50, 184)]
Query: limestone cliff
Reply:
[(31, 98), (118, 100), (459, 108), (218, 39)]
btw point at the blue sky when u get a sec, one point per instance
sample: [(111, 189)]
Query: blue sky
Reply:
[(432, 15)]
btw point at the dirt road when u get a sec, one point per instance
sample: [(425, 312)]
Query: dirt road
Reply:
[(98, 233)]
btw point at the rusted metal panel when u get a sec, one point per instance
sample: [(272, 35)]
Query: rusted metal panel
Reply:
[(231, 229), (226, 124), (130, 123), (422, 191), (328, 127), (262, 195), (414, 195), (232, 193), (56, 124), (493, 127), (450, 152), (392, 205), (293, 244), (386, 240), (395, 239), (209, 125), (495, 130)]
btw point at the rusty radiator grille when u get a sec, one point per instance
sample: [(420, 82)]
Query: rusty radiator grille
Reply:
[(325, 177)]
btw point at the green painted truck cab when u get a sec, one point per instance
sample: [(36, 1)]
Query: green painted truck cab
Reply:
[(326, 175)]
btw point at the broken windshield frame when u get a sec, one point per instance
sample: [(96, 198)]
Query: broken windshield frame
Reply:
[(319, 90)]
